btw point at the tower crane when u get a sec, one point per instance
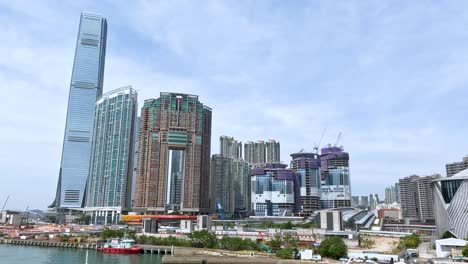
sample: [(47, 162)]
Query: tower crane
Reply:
[(4, 204), (317, 146), (339, 136)]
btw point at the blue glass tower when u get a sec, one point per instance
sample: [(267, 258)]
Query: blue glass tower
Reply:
[(85, 87)]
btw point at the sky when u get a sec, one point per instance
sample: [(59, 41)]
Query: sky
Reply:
[(391, 76)]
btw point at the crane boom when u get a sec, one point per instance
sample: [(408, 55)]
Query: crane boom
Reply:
[(339, 136), (5, 203)]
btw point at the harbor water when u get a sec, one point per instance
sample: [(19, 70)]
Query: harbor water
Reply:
[(14, 254)]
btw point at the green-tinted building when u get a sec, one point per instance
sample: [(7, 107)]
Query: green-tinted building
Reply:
[(173, 171), (109, 185)]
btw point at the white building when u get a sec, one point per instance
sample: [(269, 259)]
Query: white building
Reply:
[(446, 247), (450, 204)]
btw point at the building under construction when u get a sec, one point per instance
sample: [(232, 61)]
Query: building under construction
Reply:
[(173, 171)]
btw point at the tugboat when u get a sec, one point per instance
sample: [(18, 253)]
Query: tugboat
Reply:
[(121, 246)]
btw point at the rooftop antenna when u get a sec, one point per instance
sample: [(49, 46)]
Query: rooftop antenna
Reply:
[(339, 136), (317, 146)]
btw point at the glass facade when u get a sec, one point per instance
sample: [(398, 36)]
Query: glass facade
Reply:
[(175, 173), (449, 189), (85, 87), (111, 169)]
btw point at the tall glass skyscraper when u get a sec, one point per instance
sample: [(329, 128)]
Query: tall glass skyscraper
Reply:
[(109, 187), (85, 87)]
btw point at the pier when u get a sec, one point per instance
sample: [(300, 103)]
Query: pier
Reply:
[(167, 251), (40, 243)]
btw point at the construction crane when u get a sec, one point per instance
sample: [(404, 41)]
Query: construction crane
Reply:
[(25, 218), (4, 204), (339, 136), (317, 146)]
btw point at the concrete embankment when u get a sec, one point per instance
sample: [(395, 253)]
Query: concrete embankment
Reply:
[(225, 260)]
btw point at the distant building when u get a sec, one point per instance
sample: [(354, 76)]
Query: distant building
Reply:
[(173, 172), (456, 167), (85, 88), (355, 201), (231, 185), (272, 151), (389, 213), (261, 152), (373, 201), (391, 194), (364, 202), (308, 166), (338, 221), (417, 199), (230, 148), (450, 204), (275, 190), (336, 187)]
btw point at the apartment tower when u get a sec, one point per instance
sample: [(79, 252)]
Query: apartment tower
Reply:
[(173, 171), (109, 187)]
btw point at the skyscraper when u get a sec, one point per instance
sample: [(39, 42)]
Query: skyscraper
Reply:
[(230, 178), (373, 201), (308, 166), (336, 187), (85, 87), (109, 185), (230, 148), (231, 184), (173, 172), (260, 152), (417, 202), (272, 150), (392, 194), (456, 167)]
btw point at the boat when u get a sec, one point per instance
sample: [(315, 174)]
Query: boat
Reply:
[(120, 246)]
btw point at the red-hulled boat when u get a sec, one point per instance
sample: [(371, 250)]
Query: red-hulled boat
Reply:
[(124, 246)]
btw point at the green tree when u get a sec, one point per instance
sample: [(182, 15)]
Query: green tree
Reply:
[(203, 239), (276, 242), (285, 253), (333, 247), (111, 233), (231, 243), (465, 251), (289, 241)]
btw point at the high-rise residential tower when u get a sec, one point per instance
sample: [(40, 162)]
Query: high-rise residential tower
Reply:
[(456, 167), (85, 87), (173, 172), (260, 152), (230, 148), (230, 179), (417, 201), (336, 187), (109, 186), (308, 166), (272, 150)]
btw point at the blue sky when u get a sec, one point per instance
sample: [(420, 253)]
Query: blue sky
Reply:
[(390, 75)]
